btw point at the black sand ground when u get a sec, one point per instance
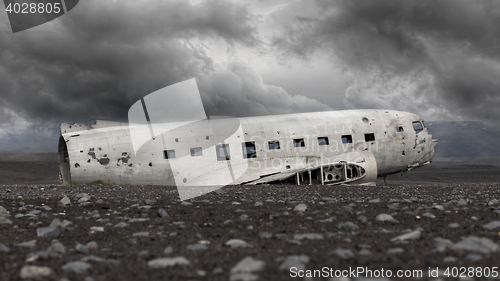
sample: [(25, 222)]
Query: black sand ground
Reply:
[(262, 216)]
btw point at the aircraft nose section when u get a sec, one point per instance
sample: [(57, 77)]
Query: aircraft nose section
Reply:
[(430, 151)]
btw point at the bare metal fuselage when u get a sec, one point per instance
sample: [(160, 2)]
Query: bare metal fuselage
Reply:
[(253, 149)]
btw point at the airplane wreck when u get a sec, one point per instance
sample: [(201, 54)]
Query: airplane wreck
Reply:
[(169, 140)]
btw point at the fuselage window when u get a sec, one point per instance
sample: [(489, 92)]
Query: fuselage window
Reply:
[(274, 145), (249, 149), (323, 141), (369, 137), (299, 143), (223, 152), (400, 129), (346, 139), (417, 126), (196, 151), (169, 154)]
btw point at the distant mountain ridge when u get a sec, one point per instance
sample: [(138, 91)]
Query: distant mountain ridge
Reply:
[(465, 142)]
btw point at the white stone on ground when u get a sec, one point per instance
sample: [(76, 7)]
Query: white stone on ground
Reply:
[(244, 270), (492, 225), (35, 272), (310, 236), (385, 217), (476, 244), (408, 236), (168, 262), (76, 267), (298, 261), (300, 208), (237, 243)]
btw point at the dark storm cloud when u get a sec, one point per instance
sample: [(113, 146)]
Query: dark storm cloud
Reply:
[(236, 89), (99, 59), (448, 52)]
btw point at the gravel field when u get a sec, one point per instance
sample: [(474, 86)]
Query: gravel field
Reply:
[(433, 217)]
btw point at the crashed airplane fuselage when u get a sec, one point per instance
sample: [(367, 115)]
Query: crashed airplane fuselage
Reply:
[(200, 154)]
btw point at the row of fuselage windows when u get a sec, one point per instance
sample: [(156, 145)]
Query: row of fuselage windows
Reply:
[(249, 150)]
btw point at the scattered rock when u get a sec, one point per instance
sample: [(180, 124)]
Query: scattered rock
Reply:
[(453, 225), (429, 215), (493, 202), (4, 220), (476, 244), (35, 272), (363, 219), (29, 244), (385, 217), (407, 236), (438, 207), (65, 201), (47, 231), (298, 261), (237, 243), (57, 248), (348, 226), (197, 247), (265, 235), (169, 250), (4, 248), (449, 259), (300, 208), (33, 213), (330, 219), (248, 265), (97, 228), (473, 257), (76, 267), (3, 211), (92, 245), (149, 202), (162, 213), (168, 262), (364, 252), (82, 249), (492, 225), (310, 236), (343, 253), (395, 251), (83, 197), (138, 220), (121, 225), (442, 244)]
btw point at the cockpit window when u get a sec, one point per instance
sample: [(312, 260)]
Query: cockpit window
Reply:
[(417, 126)]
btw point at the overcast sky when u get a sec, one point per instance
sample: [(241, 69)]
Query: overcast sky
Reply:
[(438, 59)]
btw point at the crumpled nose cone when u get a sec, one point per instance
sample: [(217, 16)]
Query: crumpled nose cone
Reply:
[(429, 155)]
